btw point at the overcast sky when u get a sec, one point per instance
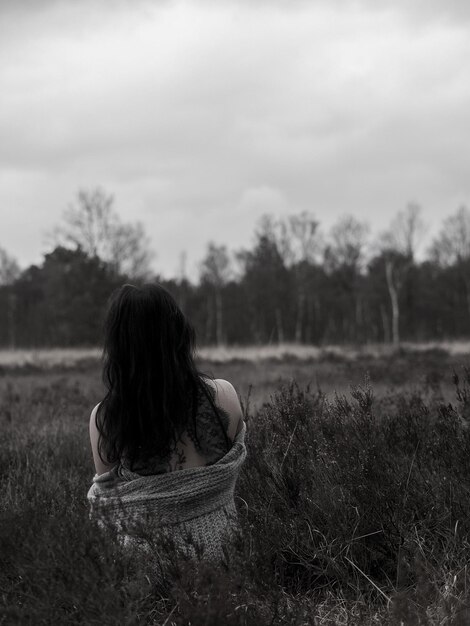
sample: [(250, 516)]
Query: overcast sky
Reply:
[(200, 116)]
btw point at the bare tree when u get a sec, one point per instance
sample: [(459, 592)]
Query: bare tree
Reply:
[(399, 245), (9, 268), (394, 277), (92, 224), (345, 255), (306, 238), (406, 231), (348, 242), (216, 270), (305, 247), (298, 240), (452, 245)]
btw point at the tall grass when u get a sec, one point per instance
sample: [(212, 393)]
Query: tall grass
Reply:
[(353, 510)]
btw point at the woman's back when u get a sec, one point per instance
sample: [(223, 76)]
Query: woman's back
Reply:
[(207, 437), (205, 440), (188, 496)]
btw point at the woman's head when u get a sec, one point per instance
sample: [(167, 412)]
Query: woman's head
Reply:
[(145, 330), (149, 373)]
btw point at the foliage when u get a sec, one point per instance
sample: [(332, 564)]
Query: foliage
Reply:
[(93, 225), (452, 245), (354, 510), (9, 268), (60, 303), (292, 285)]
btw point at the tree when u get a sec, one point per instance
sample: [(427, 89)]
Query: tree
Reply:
[(9, 272), (452, 245), (9, 268), (215, 271), (307, 240), (266, 283), (399, 245), (345, 257), (451, 249), (93, 225), (305, 245), (62, 302), (348, 241), (406, 231)]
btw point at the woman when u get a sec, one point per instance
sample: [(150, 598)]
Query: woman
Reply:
[(167, 441)]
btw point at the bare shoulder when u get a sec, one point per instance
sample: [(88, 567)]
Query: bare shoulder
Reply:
[(227, 399), (93, 428), (100, 465), (224, 391), (93, 413)]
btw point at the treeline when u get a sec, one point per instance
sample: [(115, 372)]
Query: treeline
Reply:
[(295, 284)]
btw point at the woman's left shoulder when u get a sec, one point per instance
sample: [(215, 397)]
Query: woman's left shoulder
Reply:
[(227, 399), (221, 383), (224, 390)]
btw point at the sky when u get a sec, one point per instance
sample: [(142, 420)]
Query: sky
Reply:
[(200, 116)]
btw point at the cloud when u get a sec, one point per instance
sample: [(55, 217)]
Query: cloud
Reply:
[(198, 115)]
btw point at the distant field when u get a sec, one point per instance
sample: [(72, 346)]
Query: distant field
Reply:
[(256, 371), (318, 353), (47, 358), (69, 357)]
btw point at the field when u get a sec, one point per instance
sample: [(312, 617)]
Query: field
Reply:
[(354, 502), (257, 372)]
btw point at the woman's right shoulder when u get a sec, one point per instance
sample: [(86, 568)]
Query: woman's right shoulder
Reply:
[(227, 399), (100, 465), (94, 412)]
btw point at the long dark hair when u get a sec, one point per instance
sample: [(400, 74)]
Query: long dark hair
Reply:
[(152, 381)]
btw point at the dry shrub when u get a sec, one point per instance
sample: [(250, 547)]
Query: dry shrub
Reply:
[(352, 511)]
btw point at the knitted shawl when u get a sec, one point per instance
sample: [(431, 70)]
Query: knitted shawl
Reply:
[(194, 507)]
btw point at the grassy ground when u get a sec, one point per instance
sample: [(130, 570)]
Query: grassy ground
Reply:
[(46, 358), (258, 372), (257, 375), (355, 508)]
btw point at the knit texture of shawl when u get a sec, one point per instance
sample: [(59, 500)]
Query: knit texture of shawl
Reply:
[(194, 507)]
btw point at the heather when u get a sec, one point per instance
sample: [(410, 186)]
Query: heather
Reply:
[(354, 509)]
